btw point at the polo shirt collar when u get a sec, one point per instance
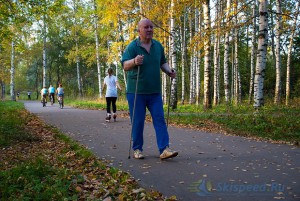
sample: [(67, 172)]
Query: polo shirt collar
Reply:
[(138, 42)]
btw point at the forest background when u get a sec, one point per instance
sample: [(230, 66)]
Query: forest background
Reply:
[(224, 51)]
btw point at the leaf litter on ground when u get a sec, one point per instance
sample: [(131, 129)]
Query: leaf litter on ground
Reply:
[(90, 177)]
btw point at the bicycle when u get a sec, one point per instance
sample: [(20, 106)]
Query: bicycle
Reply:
[(61, 102), (51, 99), (44, 101)]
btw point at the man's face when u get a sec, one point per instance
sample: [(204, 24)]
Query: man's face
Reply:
[(146, 30)]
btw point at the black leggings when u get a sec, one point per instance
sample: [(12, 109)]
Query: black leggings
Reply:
[(111, 101)]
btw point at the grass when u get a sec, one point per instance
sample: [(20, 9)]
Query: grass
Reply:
[(38, 162), (12, 123), (35, 180), (275, 123)]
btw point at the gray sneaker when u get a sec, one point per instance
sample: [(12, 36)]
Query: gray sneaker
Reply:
[(138, 154), (168, 153)]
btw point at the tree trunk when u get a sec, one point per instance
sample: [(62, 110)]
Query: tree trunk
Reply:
[(226, 55), (216, 59), (277, 52), (197, 56), (97, 50), (236, 58), (192, 61), (173, 58), (78, 72), (288, 65), (2, 90), (77, 52), (183, 58), (262, 54), (44, 53), (253, 50), (207, 58), (12, 73)]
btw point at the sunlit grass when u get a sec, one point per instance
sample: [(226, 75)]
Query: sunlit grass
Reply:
[(12, 121), (35, 180), (95, 104)]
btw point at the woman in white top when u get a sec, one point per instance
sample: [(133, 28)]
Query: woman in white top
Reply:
[(111, 95)]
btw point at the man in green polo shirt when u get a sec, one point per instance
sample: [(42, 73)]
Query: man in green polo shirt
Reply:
[(143, 59)]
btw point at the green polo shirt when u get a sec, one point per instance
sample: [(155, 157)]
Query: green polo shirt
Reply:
[(149, 76)]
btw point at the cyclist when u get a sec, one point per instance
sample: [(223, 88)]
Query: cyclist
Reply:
[(60, 92), (44, 93), (51, 92)]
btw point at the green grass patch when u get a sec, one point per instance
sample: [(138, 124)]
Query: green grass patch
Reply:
[(279, 123), (96, 104), (12, 122), (36, 180)]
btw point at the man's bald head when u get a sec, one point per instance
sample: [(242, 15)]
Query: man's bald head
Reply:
[(144, 21)]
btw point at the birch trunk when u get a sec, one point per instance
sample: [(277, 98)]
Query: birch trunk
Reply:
[(261, 56), (216, 60), (173, 81), (12, 73), (78, 71), (141, 9), (207, 58), (277, 52), (288, 65), (192, 61), (236, 58), (183, 56), (226, 55), (97, 49), (197, 56), (77, 52), (253, 50), (44, 53), (272, 41)]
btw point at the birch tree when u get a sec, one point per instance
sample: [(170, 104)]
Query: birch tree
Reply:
[(253, 50), (44, 50), (97, 49), (236, 58), (183, 56), (192, 59), (226, 54), (79, 84), (198, 55), (262, 54), (12, 73), (173, 58), (207, 59), (216, 57), (288, 65), (277, 52)]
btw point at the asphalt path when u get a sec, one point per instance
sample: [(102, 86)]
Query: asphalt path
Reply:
[(210, 166)]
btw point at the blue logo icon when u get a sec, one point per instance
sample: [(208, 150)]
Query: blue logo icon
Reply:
[(202, 187)]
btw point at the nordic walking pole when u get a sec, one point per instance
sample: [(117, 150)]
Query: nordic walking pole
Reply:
[(132, 121), (169, 101)]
